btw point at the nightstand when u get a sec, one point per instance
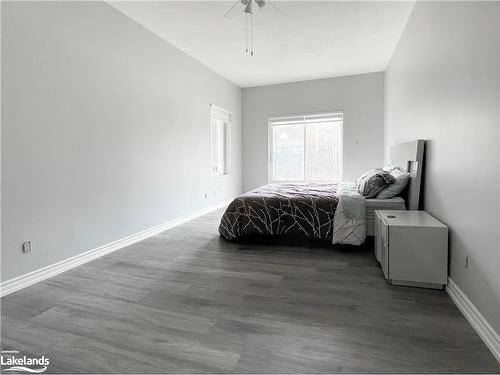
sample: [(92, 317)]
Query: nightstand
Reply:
[(412, 248)]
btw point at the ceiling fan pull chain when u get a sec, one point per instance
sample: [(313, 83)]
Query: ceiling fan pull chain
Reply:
[(246, 33)]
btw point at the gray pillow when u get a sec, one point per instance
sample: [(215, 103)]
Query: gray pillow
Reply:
[(393, 190), (374, 181)]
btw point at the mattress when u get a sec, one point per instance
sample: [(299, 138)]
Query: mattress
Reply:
[(396, 203)]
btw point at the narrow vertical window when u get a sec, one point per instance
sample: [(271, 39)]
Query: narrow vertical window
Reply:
[(306, 148), (220, 128)]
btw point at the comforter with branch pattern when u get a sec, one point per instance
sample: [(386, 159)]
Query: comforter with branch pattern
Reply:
[(284, 209), (324, 211)]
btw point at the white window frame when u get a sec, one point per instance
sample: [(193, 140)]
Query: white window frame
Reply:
[(224, 115), (301, 119)]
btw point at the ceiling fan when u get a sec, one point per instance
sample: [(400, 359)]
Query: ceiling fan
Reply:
[(248, 6)]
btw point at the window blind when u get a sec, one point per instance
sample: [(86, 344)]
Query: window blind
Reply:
[(307, 119)]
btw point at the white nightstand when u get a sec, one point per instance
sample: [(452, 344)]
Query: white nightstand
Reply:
[(412, 248)]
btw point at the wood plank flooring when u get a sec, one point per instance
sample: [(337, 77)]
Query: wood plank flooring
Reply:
[(187, 301)]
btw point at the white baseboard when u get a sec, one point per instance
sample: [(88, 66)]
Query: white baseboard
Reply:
[(475, 318), (20, 282)]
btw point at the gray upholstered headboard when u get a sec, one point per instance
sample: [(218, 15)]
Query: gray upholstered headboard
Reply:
[(409, 157)]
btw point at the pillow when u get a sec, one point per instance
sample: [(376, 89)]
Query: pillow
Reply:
[(358, 181), (389, 168), (393, 190), (373, 181)]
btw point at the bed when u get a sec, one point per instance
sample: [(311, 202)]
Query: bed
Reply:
[(313, 209)]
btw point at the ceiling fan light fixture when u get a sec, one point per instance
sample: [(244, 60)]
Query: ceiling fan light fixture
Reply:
[(248, 7), (261, 3), (249, 15)]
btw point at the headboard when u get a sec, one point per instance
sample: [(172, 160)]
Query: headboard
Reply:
[(409, 157)]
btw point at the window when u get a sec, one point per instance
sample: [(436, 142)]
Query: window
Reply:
[(306, 148), (220, 125)]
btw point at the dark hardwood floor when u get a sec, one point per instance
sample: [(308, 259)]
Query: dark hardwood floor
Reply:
[(187, 301)]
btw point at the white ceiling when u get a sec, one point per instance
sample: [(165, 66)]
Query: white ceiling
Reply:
[(314, 39)]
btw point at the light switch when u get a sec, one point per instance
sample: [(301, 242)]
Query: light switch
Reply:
[(27, 247)]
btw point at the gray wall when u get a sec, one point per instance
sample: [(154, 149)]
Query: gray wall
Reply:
[(105, 131), (361, 97), (443, 85)]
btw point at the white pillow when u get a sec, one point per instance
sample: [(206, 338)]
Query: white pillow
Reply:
[(389, 168), (394, 189)]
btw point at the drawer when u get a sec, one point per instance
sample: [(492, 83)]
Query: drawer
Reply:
[(384, 248), (419, 255), (377, 247), (382, 244)]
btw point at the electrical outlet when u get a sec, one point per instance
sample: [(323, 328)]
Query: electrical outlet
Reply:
[(27, 247), (466, 262), (206, 195)]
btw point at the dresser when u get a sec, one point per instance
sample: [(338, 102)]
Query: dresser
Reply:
[(412, 248)]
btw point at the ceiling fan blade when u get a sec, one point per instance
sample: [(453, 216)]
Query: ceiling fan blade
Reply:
[(276, 7), (229, 11)]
